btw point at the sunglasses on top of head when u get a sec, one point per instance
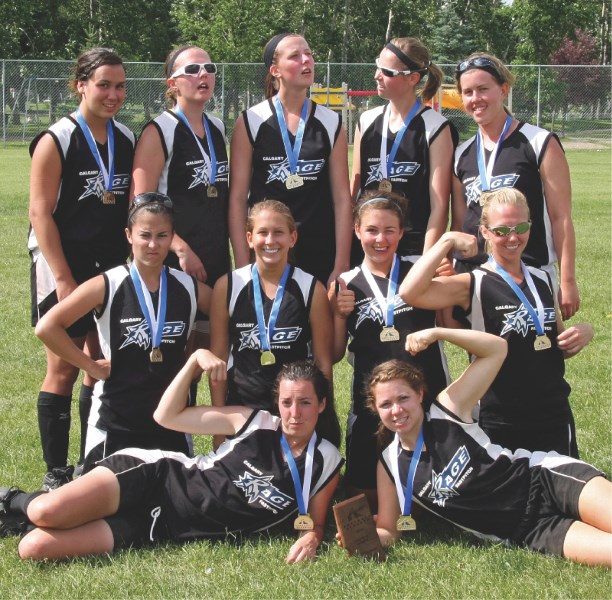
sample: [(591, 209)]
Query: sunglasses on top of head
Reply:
[(193, 69), (387, 72), (151, 198), (506, 230), (478, 62)]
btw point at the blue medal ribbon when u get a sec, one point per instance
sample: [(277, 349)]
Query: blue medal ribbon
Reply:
[(404, 493), (486, 172), (388, 163), (386, 305), (293, 153), (266, 333), (211, 163), (537, 316), (156, 324), (107, 176), (302, 493)]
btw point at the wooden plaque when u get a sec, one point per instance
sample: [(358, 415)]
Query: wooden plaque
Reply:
[(357, 528)]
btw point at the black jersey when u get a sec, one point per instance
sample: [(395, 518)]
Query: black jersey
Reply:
[(245, 486), (530, 387), (127, 399), (365, 323), (517, 166), (311, 204), (199, 219), (465, 478), (92, 233), (250, 383), (411, 169)]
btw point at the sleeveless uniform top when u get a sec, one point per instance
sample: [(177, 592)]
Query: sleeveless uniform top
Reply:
[(411, 169), (464, 478), (517, 166), (365, 323), (245, 486), (530, 387), (311, 204), (201, 221), (250, 383), (92, 233), (127, 399)]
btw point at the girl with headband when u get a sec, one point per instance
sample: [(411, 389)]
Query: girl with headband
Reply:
[(405, 146), (291, 149), (79, 196), (507, 152), (376, 321)]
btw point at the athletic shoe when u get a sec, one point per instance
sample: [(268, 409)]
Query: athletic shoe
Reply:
[(11, 523), (57, 477)]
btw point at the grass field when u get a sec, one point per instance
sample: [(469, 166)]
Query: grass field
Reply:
[(437, 562)]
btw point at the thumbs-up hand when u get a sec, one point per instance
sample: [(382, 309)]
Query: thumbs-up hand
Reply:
[(341, 298)]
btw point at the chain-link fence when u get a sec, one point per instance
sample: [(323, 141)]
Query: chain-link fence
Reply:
[(574, 101)]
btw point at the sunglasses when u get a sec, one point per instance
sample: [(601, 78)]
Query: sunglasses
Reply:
[(193, 69), (478, 62), (506, 230), (151, 198), (391, 72)]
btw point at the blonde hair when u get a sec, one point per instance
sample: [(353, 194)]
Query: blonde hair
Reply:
[(501, 197), (272, 205)]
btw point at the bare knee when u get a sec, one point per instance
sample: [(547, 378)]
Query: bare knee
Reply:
[(36, 545), (44, 510)]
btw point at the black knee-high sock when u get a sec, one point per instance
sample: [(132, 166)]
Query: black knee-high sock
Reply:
[(84, 409), (21, 501), (54, 426)]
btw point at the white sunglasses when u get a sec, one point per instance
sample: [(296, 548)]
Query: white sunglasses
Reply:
[(387, 72), (193, 69)]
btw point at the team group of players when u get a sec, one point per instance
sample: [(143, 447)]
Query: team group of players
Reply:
[(305, 282)]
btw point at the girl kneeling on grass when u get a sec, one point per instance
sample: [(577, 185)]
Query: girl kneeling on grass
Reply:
[(438, 457), (269, 468)]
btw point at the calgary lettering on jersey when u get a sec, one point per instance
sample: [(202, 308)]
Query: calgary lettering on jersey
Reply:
[(521, 321), (259, 488), (283, 335), (200, 175), (398, 169), (473, 190), (445, 484), (307, 169), (370, 309), (94, 186), (139, 333)]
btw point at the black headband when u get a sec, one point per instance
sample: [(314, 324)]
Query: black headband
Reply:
[(409, 63), (270, 49), (176, 54)]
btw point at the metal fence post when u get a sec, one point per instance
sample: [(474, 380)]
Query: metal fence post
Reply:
[(539, 110), (4, 101), (222, 92)]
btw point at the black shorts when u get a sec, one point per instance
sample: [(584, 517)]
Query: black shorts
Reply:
[(552, 507), (361, 450)]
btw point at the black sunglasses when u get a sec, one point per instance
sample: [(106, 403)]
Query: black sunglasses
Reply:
[(478, 62), (151, 198)]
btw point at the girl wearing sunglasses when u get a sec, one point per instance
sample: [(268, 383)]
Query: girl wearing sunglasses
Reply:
[(144, 314), (291, 149), (405, 146), (510, 153), (527, 405)]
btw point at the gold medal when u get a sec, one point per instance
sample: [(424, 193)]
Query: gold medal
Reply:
[(406, 523), (294, 181), (212, 191), (542, 342), (156, 356), (108, 197), (389, 334), (385, 186), (267, 358), (303, 523)]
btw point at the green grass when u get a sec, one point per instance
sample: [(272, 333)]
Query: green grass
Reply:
[(438, 561)]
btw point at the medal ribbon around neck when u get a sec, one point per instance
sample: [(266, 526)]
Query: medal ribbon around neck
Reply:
[(107, 175), (404, 494), (210, 163), (387, 305), (387, 165), (293, 153), (537, 314), (485, 173), (302, 492), (155, 323), (266, 333)]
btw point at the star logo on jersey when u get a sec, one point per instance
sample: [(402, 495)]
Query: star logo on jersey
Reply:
[(398, 169), (139, 333), (94, 187), (259, 488), (521, 321), (371, 310), (444, 484), (280, 171), (283, 335), (202, 177), (474, 190)]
